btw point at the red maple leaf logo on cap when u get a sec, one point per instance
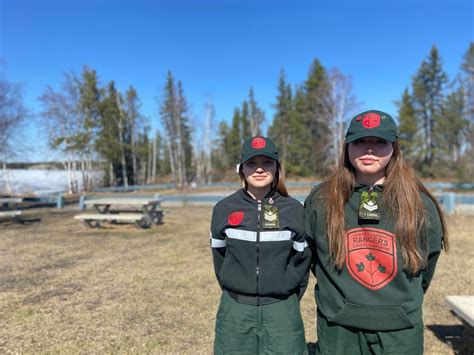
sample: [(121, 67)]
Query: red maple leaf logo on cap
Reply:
[(258, 143), (235, 218), (371, 120)]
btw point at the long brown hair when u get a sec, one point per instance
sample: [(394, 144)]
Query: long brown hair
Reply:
[(277, 184), (401, 198)]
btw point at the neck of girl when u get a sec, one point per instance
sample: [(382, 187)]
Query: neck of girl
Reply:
[(370, 180), (258, 193)]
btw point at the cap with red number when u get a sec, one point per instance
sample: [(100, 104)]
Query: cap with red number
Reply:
[(372, 123), (258, 146)]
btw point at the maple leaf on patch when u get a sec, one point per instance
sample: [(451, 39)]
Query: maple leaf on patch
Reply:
[(360, 266), (370, 257), (381, 268)]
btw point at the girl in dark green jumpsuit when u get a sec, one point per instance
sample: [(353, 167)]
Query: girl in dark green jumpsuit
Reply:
[(261, 260)]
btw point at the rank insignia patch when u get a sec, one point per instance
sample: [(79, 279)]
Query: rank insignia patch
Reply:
[(371, 256), (271, 218), (368, 208)]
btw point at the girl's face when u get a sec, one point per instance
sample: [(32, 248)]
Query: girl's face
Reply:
[(370, 156), (259, 172)]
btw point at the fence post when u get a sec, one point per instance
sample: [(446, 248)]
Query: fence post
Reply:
[(60, 201), (82, 205), (449, 202)]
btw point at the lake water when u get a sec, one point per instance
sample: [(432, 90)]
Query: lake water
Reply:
[(40, 182)]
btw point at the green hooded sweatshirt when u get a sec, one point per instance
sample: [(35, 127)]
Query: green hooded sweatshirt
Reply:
[(371, 291)]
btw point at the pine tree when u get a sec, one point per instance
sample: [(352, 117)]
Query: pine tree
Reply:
[(454, 127), (428, 94), (234, 139), (408, 128), (89, 113), (281, 129), (256, 115), (301, 159), (220, 156), (317, 116), (185, 136), (134, 120), (176, 123), (108, 143), (467, 82), (244, 123)]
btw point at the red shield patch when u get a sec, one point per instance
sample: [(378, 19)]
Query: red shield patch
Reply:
[(235, 218), (258, 143), (371, 256), (371, 120)]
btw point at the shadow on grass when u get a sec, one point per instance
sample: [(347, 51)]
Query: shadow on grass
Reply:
[(451, 335)]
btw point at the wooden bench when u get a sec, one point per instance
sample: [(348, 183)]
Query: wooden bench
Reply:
[(9, 214), (463, 308), (94, 220)]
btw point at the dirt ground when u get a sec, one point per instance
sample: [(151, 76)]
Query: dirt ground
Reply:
[(66, 288)]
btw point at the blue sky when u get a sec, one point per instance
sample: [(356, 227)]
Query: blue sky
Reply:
[(218, 49)]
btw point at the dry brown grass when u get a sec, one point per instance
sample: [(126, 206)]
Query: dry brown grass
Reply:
[(65, 288)]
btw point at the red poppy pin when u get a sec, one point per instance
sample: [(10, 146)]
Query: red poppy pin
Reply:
[(235, 218), (258, 143), (371, 120)]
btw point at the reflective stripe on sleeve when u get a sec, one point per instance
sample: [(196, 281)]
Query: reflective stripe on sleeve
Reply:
[(240, 234), (299, 246), (275, 236), (217, 243)]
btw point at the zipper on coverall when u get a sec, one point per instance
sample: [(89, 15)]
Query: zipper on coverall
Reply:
[(259, 209)]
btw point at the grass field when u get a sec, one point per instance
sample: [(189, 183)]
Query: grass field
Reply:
[(65, 288)]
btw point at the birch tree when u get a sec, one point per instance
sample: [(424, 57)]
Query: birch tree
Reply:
[(60, 113), (12, 113), (343, 103)]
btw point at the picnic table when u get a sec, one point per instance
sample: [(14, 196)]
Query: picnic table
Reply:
[(144, 211), (463, 308), (10, 201), (8, 207)]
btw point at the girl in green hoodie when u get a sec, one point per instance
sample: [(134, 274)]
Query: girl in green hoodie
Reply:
[(376, 235)]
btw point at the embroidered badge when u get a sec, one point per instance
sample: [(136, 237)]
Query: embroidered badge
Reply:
[(271, 218), (371, 120), (368, 208), (258, 143), (235, 218), (371, 256)]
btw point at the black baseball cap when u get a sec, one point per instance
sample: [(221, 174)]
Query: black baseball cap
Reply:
[(372, 123)]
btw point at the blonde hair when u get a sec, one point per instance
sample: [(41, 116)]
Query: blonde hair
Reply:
[(401, 198)]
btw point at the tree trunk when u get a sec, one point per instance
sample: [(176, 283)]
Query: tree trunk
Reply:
[(111, 174), (150, 163), (153, 168), (134, 157)]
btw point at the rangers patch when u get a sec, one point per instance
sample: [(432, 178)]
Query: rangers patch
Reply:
[(371, 256), (235, 218)]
